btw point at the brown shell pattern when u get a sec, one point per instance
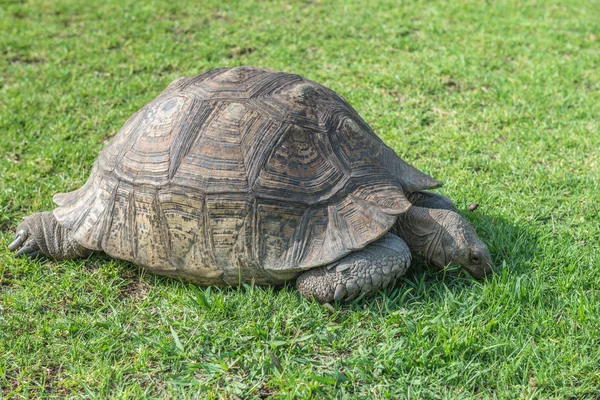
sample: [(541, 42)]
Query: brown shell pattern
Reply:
[(237, 175)]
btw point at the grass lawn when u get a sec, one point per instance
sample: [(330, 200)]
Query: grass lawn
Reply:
[(499, 100)]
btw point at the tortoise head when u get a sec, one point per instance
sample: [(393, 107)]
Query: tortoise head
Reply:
[(445, 238), (459, 245)]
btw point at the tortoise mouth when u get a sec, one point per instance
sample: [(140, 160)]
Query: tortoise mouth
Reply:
[(480, 271)]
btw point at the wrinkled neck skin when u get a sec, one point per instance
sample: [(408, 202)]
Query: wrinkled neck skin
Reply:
[(422, 229), (444, 238), (422, 233)]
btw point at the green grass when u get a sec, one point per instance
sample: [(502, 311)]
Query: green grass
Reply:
[(499, 100)]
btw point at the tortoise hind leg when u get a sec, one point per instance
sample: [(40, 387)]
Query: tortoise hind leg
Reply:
[(363, 271), (41, 233)]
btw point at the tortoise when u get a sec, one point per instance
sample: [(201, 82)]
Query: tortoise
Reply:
[(252, 175)]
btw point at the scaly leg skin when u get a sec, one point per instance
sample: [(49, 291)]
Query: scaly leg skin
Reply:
[(42, 234), (363, 271), (431, 200)]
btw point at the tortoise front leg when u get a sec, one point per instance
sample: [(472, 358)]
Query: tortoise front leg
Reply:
[(41, 233), (363, 271)]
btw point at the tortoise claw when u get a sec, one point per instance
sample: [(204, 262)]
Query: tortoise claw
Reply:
[(35, 254), (20, 238), (28, 250), (25, 245)]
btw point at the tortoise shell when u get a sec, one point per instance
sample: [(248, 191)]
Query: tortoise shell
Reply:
[(240, 175)]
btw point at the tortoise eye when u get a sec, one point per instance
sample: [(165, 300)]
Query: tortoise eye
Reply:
[(475, 258)]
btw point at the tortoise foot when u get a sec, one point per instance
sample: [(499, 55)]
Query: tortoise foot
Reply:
[(25, 243), (40, 234), (363, 271)]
